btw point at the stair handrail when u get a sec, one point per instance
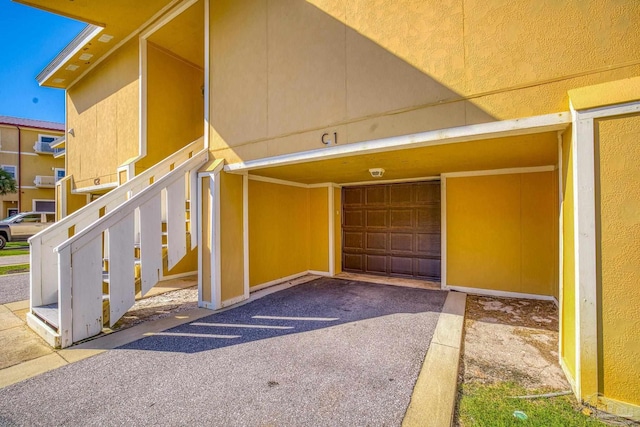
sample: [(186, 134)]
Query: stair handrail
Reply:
[(131, 204), (44, 260), (66, 249)]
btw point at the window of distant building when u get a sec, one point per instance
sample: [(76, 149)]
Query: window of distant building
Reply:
[(11, 169), (46, 138)]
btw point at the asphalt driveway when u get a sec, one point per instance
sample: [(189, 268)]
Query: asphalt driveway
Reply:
[(327, 352)]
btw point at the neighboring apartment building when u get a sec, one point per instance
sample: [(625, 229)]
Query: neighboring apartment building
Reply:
[(26, 152), (489, 146)]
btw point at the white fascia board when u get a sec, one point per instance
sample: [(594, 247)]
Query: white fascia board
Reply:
[(84, 37), (523, 126)]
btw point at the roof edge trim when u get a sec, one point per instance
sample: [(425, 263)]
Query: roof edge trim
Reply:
[(84, 37), (503, 128)]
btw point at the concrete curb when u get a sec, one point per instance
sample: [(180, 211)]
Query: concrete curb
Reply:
[(434, 395)]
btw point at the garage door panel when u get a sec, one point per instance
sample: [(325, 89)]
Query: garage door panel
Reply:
[(428, 268), (428, 219), (401, 218), (353, 218), (353, 240), (400, 194), (353, 262), (376, 263), (392, 229), (376, 242), (353, 196), (428, 244), (377, 218), (401, 266), (402, 242), (427, 194), (376, 195)]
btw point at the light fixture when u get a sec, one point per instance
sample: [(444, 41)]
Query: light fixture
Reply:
[(105, 38), (72, 132), (376, 172)]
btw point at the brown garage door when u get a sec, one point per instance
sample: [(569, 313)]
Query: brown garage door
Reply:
[(392, 229)]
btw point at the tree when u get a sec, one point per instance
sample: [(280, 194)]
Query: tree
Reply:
[(7, 183)]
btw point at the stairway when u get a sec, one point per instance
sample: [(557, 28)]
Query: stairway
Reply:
[(87, 269)]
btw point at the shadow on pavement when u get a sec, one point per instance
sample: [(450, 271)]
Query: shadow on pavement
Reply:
[(322, 303)]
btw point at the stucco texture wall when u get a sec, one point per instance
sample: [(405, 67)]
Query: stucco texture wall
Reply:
[(319, 229), (502, 233), (175, 105), (285, 72), (103, 110), (278, 231), (618, 187), (288, 231), (231, 237)]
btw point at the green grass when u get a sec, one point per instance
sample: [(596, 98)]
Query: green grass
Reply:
[(15, 248), (10, 269), (493, 405)]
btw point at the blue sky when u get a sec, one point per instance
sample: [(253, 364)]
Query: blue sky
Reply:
[(29, 40)]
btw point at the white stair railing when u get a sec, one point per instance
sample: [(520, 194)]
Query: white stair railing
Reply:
[(49, 277), (80, 257)]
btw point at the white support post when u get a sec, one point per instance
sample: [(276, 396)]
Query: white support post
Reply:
[(216, 266), (245, 233), (332, 246), (585, 242), (209, 222), (65, 327), (585, 256)]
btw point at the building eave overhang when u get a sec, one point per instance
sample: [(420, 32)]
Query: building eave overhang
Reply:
[(476, 132), (85, 36)]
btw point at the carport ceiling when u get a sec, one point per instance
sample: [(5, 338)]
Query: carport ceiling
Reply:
[(540, 149)]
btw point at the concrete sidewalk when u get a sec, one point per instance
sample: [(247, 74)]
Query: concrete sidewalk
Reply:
[(14, 260), (358, 370)]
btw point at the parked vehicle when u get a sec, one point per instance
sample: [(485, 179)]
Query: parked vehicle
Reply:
[(20, 227)]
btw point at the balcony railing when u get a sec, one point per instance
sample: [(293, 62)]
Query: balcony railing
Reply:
[(43, 181), (43, 148)]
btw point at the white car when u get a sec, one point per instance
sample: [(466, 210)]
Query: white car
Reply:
[(20, 227)]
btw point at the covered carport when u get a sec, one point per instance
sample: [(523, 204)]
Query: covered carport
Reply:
[(491, 228)]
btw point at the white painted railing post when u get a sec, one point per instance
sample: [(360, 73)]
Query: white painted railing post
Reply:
[(81, 256), (35, 273), (54, 253), (65, 326)]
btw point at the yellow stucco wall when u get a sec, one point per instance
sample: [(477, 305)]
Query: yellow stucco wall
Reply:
[(285, 72), (103, 109), (318, 229), (501, 232), (278, 231), (231, 238), (616, 92), (175, 105), (618, 184), (568, 321)]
